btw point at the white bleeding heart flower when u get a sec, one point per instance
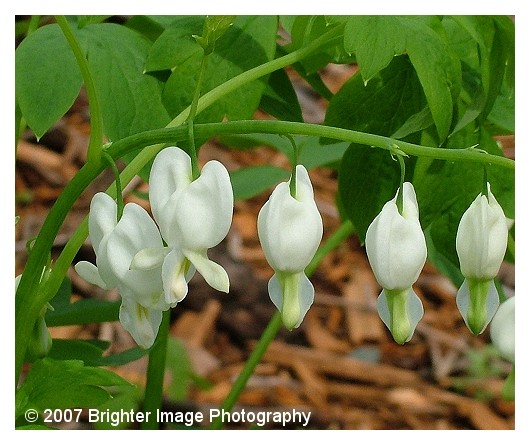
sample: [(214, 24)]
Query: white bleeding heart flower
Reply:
[(290, 230), (116, 244), (481, 242), (502, 329), (193, 216), (397, 252)]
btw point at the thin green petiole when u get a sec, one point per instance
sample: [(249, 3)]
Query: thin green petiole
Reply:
[(401, 182), (292, 182), (96, 120), (119, 190)]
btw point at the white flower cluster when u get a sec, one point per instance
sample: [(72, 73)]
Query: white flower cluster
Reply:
[(192, 216), (397, 251)]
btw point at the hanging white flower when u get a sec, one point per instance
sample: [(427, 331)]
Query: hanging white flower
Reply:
[(193, 216), (481, 242), (397, 252), (116, 244), (290, 230)]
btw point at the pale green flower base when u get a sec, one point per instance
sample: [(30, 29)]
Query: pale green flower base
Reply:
[(477, 301)]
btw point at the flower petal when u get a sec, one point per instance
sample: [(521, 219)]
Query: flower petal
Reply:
[(468, 297), (89, 272), (149, 258), (142, 323), (174, 278), (305, 297), (170, 175), (102, 218), (212, 272), (203, 211), (502, 329), (290, 230)]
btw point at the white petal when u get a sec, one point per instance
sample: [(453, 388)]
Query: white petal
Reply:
[(305, 297), (142, 323), (463, 303), (170, 174), (396, 248), (149, 258), (482, 238), (89, 272), (414, 311), (289, 230), (502, 329), (212, 272), (101, 219), (134, 232), (204, 209), (174, 277)]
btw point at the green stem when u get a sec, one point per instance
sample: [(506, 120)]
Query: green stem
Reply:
[(191, 118), (33, 24), (399, 319), (155, 375), (292, 182), (96, 120), (402, 180), (119, 192), (274, 326)]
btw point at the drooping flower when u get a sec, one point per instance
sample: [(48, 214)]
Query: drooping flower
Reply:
[(397, 252), (481, 242), (116, 244), (502, 329), (290, 230), (193, 216)]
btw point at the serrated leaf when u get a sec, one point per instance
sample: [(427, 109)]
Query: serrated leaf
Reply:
[(248, 182), (130, 100), (251, 41), (60, 384), (47, 78)]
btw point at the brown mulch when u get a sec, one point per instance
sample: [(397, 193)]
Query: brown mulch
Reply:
[(341, 364)]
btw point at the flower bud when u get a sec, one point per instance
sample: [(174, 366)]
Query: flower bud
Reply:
[(481, 242), (397, 251), (290, 230)]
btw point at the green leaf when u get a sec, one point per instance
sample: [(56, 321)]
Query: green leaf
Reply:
[(175, 45), (248, 182), (251, 41), (369, 177), (85, 20), (126, 400), (503, 114), (383, 105), (446, 189), (59, 384), (47, 77), (122, 358), (82, 312), (375, 40), (130, 100), (90, 352), (279, 98)]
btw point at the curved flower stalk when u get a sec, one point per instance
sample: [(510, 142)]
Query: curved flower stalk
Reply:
[(397, 251), (115, 245), (481, 242), (193, 216), (290, 230)]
